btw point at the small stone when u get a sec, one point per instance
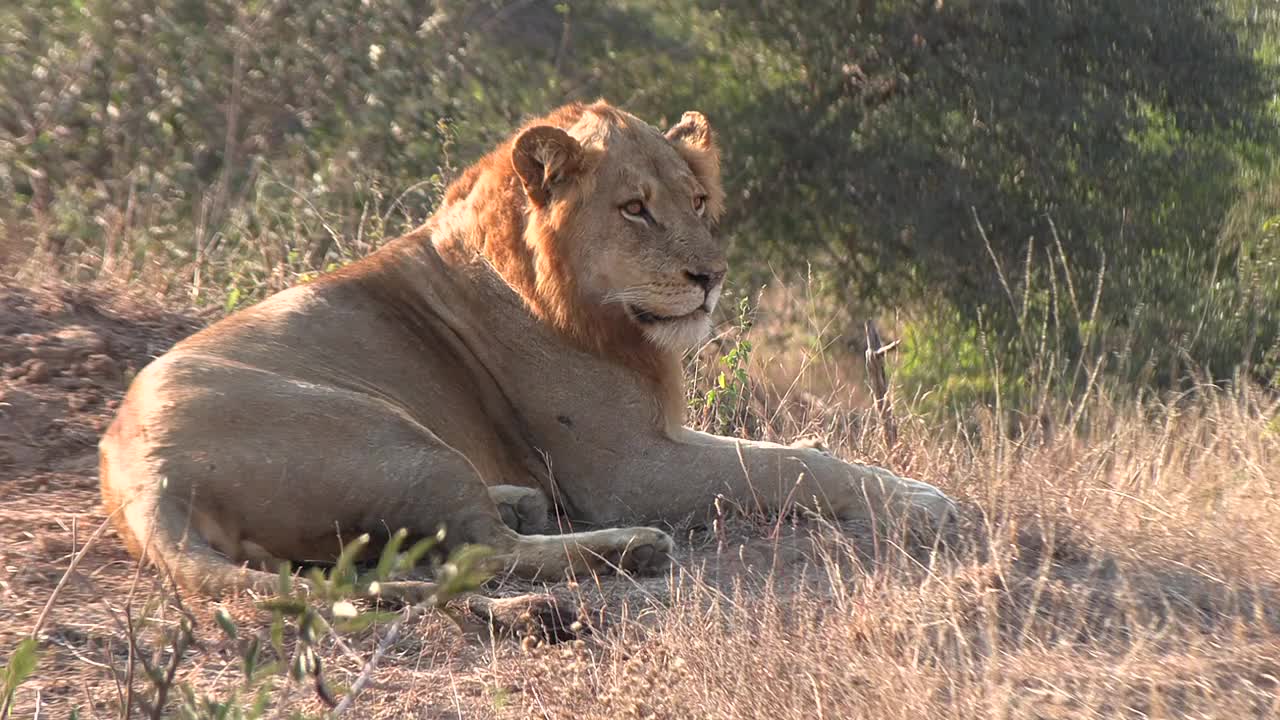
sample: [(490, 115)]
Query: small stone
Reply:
[(102, 367), (12, 352), (37, 371), (68, 383), (81, 340)]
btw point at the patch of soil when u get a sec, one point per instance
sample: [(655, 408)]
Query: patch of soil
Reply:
[(66, 356)]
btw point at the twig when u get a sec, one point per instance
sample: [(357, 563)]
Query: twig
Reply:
[(131, 632), (399, 202), (163, 687), (1066, 271), (366, 674), (995, 261), (886, 348), (53, 596), (880, 382)]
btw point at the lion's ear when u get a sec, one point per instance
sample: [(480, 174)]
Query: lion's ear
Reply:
[(696, 142), (694, 130), (543, 156)]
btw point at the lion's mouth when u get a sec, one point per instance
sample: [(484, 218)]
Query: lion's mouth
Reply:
[(648, 317)]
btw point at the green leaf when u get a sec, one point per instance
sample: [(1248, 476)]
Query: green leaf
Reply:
[(320, 581), (223, 618), (387, 562), (277, 634), (343, 574), (265, 671), (251, 659), (260, 702), (286, 579), (308, 630), (466, 570), (414, 554), (285, 605), (20, 666)]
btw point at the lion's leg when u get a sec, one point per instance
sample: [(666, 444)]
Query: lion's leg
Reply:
[(523, 509), (774, 477), (770, 477), (639, 550), (258, 556), (448, 491)]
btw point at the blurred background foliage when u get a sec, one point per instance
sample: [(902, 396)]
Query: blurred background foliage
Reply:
[(1041, 190)]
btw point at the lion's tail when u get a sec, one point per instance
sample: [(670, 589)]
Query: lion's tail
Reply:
[(170, 542), (156, 528)]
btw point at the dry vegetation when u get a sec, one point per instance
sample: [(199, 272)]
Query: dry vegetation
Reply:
[(1118, 554), (1117, 558)]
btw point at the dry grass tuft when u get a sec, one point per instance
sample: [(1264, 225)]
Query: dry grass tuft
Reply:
[(1126, 569), (1130, 571)]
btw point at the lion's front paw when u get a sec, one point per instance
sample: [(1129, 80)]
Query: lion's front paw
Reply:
[(640, 551), (525, 510), (929, 507), (924, 509)]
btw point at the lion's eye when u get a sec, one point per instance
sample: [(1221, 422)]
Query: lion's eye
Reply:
[(700, 204), (635, 209)]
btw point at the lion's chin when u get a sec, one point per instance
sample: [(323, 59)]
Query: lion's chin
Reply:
[(677, 334)]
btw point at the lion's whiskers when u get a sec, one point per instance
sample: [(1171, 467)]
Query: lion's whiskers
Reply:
[(625, 296)]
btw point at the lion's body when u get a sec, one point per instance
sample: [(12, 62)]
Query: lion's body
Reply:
[(485, 350)]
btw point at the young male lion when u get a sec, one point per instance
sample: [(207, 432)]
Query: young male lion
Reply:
[(522, 346)]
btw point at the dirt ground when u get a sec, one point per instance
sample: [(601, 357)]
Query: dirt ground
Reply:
[(1125, 571), (66, 356)]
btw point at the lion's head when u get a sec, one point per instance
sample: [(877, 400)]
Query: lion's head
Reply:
[(631, 213), (606, 226)]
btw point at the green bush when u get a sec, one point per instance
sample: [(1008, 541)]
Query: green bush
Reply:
[(904, 150)]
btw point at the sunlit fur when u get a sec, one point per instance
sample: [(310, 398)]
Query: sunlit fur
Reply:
[(527, 323), (548, 221), (583, 267)]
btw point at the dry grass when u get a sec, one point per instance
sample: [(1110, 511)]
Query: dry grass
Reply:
[(1129, 572), (1128, 569)]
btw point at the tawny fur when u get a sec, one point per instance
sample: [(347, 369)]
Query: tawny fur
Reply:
[(529, 335)]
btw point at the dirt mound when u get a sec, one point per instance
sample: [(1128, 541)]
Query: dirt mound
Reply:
[(66, 357), (67, 354)]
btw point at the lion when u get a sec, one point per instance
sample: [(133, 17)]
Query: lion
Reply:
[(519, 351)]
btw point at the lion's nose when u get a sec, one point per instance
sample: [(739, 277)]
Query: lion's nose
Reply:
[(705, 279)]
